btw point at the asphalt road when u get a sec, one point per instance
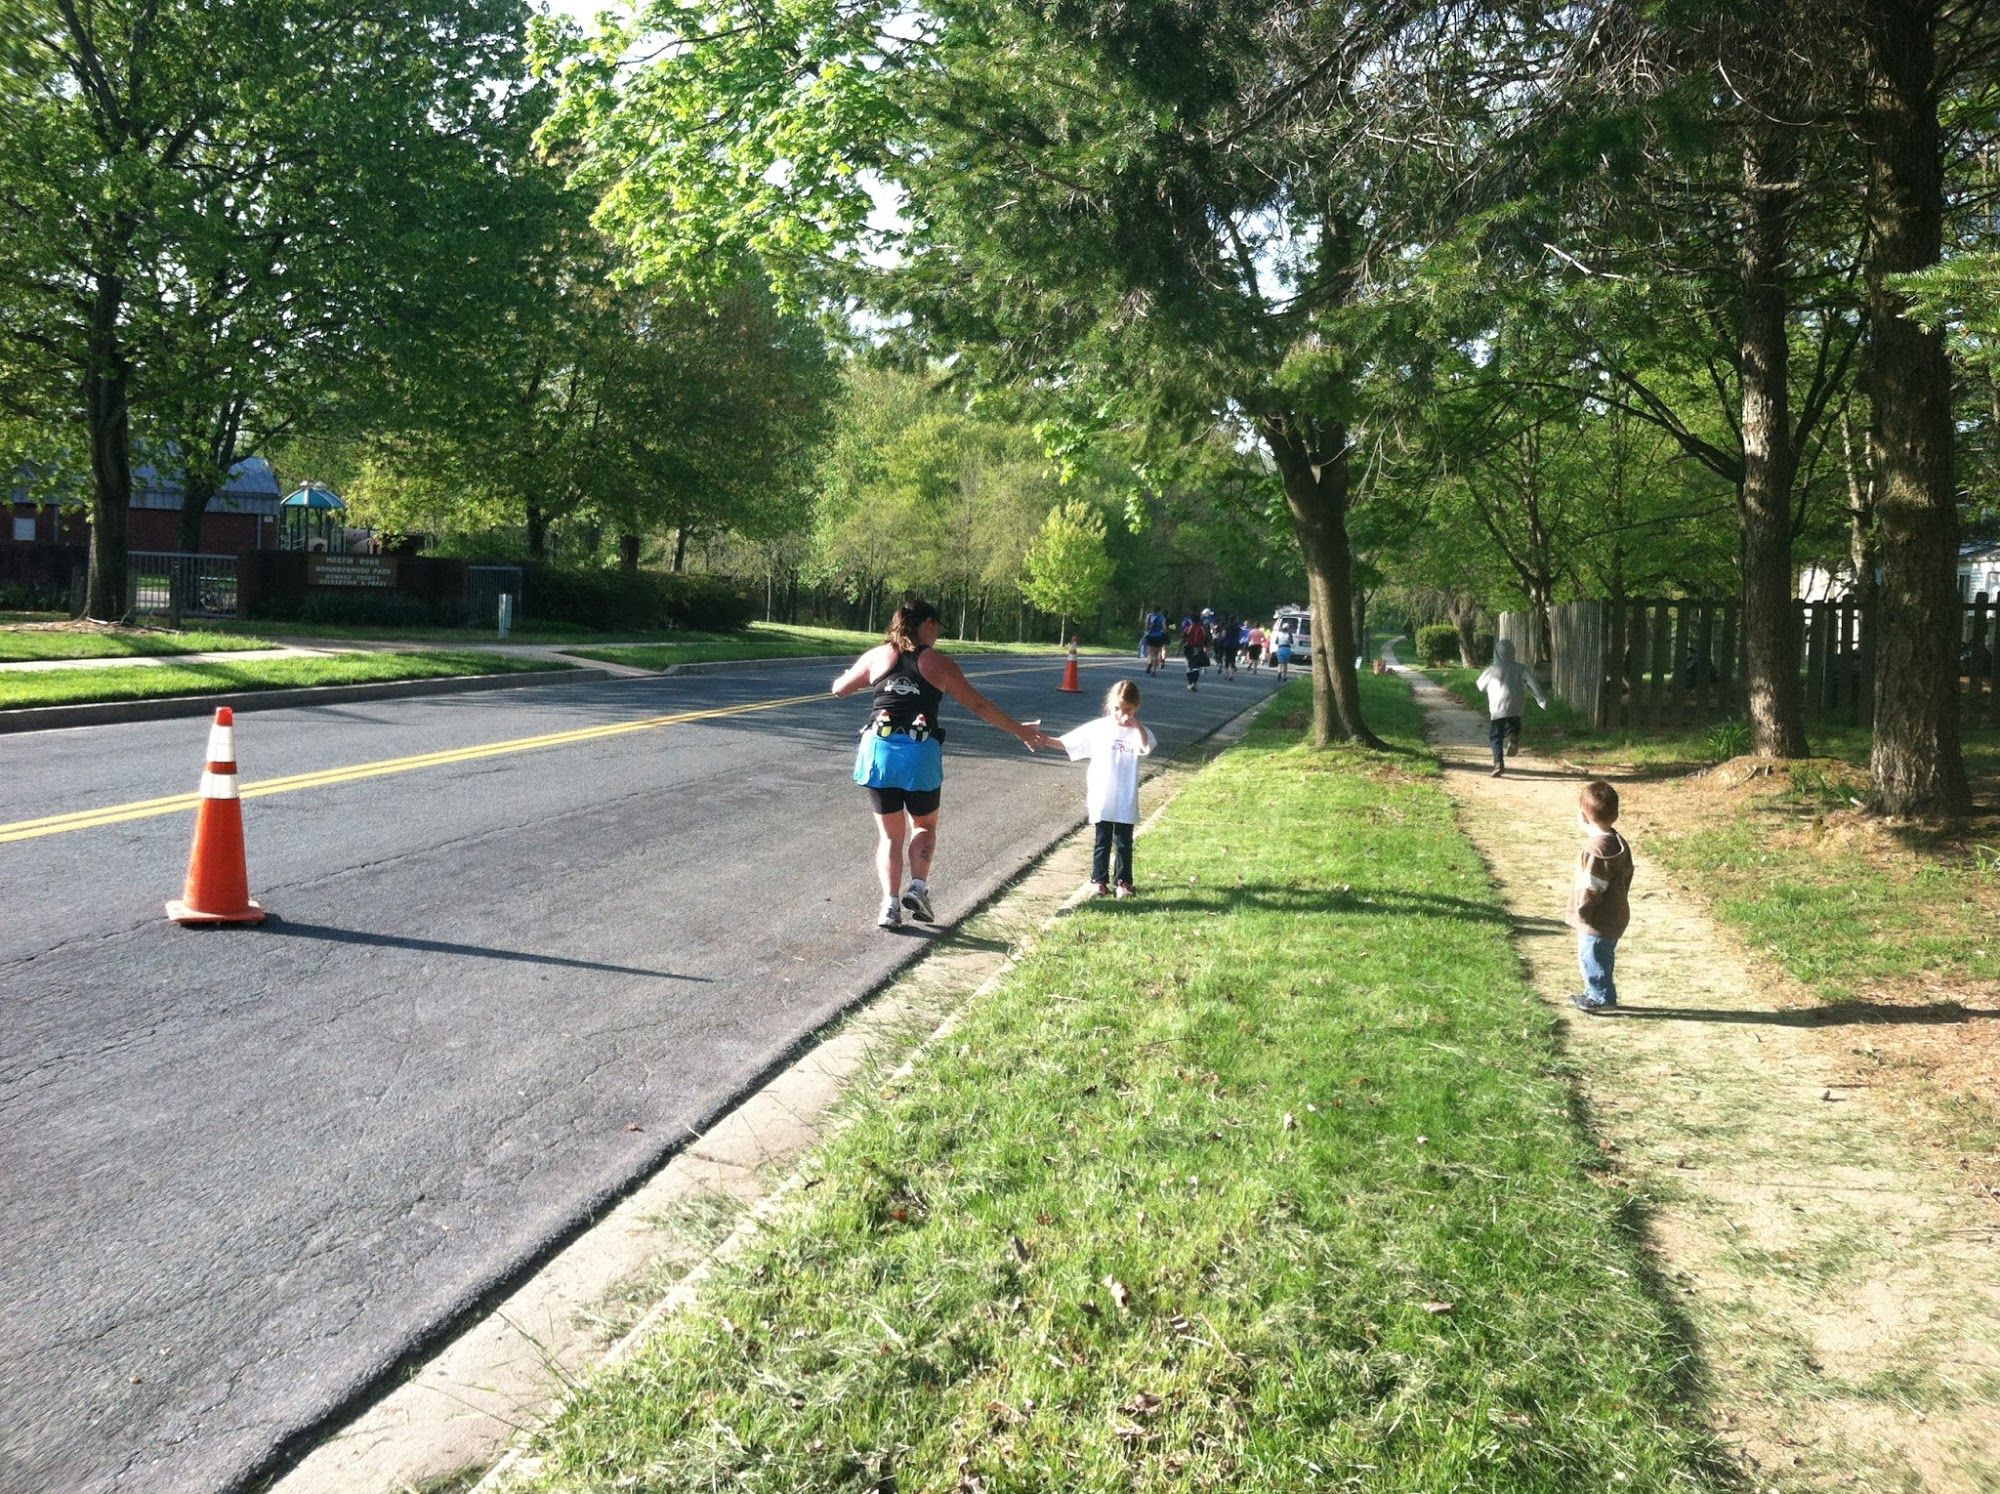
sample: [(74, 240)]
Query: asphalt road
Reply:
[(244, 1172)]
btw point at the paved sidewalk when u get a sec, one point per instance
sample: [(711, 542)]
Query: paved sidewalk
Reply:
[(147, 661), (552, 652)]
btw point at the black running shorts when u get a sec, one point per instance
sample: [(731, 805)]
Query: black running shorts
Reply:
[(916, 801)]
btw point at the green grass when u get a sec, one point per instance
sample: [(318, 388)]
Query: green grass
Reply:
[(1265, 1180), (16, 647), (50, 687), (1835, 916), (779, 641)]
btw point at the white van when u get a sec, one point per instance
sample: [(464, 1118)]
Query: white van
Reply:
[(1294, 625)]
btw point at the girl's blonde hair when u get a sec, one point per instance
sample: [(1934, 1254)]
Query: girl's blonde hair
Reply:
[(1125, 694)]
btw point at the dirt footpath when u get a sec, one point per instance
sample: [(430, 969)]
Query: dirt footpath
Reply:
[(1843, 1286)]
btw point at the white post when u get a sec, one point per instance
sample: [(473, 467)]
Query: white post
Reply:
[(506, 613)]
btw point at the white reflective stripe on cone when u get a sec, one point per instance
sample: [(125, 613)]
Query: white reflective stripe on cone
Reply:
[(221, 745), (217, 786)]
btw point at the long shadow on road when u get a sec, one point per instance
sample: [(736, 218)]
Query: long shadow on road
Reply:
[(332, 935)]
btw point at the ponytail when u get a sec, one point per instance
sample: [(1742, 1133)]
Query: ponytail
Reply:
[(908, 621)]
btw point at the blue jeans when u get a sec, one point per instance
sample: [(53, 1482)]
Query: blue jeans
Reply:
[(1596, 956)]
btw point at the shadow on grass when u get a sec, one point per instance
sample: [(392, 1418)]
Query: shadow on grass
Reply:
[(1281, 897), (1840, 1014), (1694, 1392), (276, 925)]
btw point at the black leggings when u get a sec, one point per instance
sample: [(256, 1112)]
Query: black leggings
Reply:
[(1112, 837)]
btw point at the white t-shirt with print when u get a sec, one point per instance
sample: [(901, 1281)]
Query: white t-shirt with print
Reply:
[(1111, 787)]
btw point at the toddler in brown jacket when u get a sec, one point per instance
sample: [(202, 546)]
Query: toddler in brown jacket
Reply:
[(1599, 898)]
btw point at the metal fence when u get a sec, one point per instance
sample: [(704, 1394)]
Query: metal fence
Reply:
[(485, 585), (162, 583)]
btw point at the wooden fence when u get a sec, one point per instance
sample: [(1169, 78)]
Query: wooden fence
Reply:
[(1679, 661)]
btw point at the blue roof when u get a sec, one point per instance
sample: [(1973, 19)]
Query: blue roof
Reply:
[(250, 488), (314, 495)]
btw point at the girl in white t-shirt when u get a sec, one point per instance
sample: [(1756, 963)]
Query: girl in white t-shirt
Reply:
[(1113, 743)]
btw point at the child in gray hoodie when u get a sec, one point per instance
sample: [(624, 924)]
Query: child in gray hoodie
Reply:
[(1507, 683)]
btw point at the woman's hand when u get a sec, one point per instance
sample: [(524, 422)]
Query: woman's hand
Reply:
[(1033, 737)]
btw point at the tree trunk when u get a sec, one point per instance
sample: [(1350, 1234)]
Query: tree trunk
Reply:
[(1764, 500), (628, 560), (106, 388), (198, 490), (538, 532), (1860, 522), (1360, 621), (1465, 620), (1917, 766), (680, 549), (1317, 495)]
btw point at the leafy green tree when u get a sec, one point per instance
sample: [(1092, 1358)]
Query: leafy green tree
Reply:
[(1068, 569), (1172, 215), (205, 199)]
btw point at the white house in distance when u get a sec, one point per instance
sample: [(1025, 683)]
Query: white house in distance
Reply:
[(1978, 571)]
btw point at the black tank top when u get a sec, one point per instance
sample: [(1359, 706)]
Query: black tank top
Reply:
[(903, 694)]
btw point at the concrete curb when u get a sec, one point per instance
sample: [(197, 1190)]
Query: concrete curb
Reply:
[(165, 708)]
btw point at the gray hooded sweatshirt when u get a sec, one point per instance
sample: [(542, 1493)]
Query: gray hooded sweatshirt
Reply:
[(1505, 681)]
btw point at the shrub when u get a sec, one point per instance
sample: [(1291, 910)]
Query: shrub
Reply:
[(1727, 739), (1437, 643), (621, 601)]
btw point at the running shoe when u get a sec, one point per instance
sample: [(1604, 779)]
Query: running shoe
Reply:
[(891, 916), (919, 904)]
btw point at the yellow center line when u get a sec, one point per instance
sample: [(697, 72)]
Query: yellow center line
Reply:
[(116, 814)]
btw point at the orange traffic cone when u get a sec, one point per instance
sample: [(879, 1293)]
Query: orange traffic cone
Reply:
[(1070, 680), (218, 880)]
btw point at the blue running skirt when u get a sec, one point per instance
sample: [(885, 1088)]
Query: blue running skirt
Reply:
[(899, 762)]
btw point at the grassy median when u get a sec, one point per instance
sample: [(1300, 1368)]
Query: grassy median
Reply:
[(1268, 1179), (53, 687), (22, 644)]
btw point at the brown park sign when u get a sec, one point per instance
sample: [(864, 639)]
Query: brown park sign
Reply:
[(351, 570)]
